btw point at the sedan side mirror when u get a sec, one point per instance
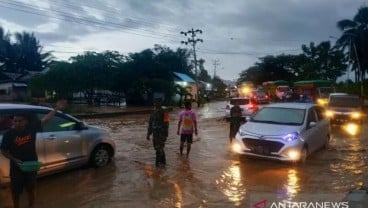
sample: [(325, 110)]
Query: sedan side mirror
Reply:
[(312, 124), (247, 118), (80, 126)]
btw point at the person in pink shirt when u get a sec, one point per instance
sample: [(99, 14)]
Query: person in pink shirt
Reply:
[(187, 126)]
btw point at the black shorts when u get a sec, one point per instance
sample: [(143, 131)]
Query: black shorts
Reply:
[(186, 138), (20, 180)]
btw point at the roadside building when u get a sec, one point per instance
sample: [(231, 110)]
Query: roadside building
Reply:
[(13, 87), (186, 82)]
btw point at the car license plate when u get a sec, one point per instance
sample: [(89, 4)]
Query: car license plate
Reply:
[(261, 150)]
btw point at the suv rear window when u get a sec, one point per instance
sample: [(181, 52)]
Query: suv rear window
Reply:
[(345, 101), (244, 101), (259, 93)]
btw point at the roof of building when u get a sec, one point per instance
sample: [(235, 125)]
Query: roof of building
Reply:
[(183, 77)]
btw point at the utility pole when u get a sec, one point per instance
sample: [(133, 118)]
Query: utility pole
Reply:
[(215, 64), (192, 40)]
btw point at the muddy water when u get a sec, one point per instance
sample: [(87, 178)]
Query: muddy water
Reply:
[(211, 177)]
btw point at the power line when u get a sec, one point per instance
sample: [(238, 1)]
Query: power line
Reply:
[(80, 20), (114, 11), (249, 53)]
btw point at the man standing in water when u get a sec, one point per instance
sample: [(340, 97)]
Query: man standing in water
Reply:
[(235, 120), (19, 145), (186, 127), (158, 126)]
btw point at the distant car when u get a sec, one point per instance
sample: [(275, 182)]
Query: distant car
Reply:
[(248, 107), (283, 131), (345, 108), (260, 97), (64, 142)]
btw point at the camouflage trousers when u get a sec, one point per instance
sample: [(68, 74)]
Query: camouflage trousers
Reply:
[(159, 139)]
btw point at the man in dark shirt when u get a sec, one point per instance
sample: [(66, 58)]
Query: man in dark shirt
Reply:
[(19, 145), (235, 120), (158, 126)]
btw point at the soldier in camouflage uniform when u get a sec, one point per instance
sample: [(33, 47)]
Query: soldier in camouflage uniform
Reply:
[(158, 126)]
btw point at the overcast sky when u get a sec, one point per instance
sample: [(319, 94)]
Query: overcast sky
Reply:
[(235, 32)]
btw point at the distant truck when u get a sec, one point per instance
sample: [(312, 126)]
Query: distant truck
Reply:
[(316, 90), (233, 92), (276, 89)]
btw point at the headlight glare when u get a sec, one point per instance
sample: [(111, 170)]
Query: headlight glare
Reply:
[(356, 115), (329, 113), (236, 147)]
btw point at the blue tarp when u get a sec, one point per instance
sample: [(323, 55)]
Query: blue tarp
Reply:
[(183, 77)]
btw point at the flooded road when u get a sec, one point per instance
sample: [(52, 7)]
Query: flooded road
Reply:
[(211, 177)]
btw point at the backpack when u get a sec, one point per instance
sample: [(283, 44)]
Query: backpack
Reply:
[(187, 122)]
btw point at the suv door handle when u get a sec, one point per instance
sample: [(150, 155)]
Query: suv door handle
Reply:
[(51, 137)]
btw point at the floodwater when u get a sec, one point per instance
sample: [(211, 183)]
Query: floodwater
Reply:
[(211, 177)]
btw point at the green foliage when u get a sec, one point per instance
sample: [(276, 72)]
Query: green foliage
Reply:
[(23, 55), (138, 75), (354, 41), (316, 62), (269, 68), (219, 86), (322, 62)]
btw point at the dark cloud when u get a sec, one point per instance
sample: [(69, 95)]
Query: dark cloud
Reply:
[(232, 30)]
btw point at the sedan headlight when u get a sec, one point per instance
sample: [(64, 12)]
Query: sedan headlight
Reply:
[(291, 137), (236, 147), (329, 113), (356, 115), (322, 101)]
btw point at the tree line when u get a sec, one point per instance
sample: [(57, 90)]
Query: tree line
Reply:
[(322, 60), (138, 75)]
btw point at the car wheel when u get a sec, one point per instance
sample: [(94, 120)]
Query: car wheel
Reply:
[(100, 156)]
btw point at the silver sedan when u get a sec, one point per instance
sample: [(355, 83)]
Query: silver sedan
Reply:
[(284, 131), (64, 142)]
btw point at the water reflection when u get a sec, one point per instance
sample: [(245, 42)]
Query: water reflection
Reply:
[(242, 180), (231, 185), (292, 185)]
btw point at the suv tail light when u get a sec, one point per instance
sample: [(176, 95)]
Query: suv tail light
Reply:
[(252, 106)]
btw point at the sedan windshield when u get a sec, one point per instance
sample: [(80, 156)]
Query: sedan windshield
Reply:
[(285, 116)]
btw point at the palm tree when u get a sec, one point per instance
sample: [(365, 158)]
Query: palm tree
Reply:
[(29, 53), (6, 62), (355, 39)]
